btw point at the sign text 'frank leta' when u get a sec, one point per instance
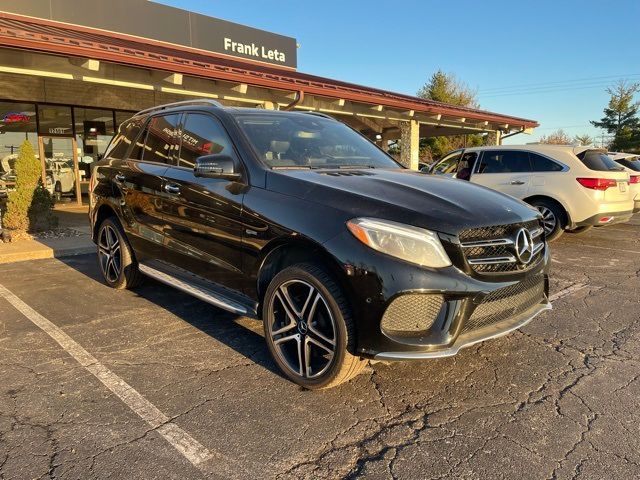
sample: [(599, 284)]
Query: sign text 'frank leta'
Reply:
[(254, 50)]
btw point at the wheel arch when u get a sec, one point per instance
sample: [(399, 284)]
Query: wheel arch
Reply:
[(284, 252), (567, 216), (103, 212)]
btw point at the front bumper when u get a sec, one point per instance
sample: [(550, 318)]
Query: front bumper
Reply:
[(466, 340), (617, 217), (469, 310)]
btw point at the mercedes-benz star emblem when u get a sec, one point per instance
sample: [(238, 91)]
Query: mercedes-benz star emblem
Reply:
[(524, 246), (302, 327)]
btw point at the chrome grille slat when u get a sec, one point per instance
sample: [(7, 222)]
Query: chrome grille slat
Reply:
[(488, 243), (491, 260)]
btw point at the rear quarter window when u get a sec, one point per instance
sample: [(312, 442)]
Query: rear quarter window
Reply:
[(544, 164), (127, 134), (598, 161)]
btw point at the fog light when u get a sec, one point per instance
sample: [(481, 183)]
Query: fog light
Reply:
[(606, 219)]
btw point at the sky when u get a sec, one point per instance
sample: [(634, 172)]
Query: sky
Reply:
[(550, 61)]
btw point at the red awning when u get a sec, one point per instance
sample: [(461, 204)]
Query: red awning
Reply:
[(59, 38)]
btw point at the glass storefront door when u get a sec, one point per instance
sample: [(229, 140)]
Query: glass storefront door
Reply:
[(61, 173)]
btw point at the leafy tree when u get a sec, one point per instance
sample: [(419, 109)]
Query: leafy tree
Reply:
[(621, 117), (29, 206), (556, 138), (447, 88), (584, 140)]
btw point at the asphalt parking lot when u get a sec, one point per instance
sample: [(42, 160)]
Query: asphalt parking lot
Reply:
[(97, 383)]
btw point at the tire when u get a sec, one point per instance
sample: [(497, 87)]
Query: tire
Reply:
[(553, 218), (115, 257), (580, 230), (309, 329)]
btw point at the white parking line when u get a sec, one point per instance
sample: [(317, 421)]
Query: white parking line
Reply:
[(188, 446)]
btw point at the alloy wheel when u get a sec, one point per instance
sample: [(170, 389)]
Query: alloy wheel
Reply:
[(302, 329), (109, 253), (549, 220)]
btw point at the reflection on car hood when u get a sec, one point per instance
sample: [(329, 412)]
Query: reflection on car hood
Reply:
[(438, 203)]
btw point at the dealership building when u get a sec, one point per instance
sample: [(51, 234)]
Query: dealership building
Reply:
[(69, 75)]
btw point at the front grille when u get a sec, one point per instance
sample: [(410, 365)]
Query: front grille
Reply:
[(492, 249), (411, 315), (506, 302)]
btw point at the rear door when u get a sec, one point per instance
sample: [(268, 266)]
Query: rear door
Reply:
[(203, 215), (507, 171), (140, 178)]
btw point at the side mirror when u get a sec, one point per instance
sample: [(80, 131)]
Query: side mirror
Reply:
[(216, 166)]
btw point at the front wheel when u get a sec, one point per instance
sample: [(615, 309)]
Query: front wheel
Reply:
[(309, 329), (552, 218), (115, 256)]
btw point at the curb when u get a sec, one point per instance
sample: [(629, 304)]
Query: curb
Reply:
[(45, 252)]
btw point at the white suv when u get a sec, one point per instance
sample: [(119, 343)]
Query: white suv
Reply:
[(574, 188), (631, 163)]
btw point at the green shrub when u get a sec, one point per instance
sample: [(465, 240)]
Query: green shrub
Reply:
[(29, 206)]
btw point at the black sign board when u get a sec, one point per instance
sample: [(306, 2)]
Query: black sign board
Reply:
[(147, 19)]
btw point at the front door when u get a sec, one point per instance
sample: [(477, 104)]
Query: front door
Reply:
[(60, 171), (507, 171), (204, 215)]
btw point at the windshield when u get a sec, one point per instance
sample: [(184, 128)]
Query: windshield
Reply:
[(298, 140)]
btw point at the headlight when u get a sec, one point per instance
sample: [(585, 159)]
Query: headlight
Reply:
[(413, 244)]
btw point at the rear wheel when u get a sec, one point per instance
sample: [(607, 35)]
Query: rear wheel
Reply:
[(309, 329), (115, 256), (579, 230), (553, 218)]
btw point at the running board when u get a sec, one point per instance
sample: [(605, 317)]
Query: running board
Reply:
[(196, 287)]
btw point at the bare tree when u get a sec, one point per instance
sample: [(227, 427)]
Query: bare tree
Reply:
[(559, 137)]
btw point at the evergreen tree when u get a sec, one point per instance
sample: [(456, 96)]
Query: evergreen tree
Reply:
[(621, 117), (29, 206), (446, 88)]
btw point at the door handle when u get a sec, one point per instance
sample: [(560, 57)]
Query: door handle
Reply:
[(119, 178), (172, 189), (517, 182)]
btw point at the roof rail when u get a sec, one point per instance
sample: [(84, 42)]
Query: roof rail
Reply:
[(195, 101)]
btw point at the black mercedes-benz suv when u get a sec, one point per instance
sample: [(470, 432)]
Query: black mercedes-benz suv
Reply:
[(297, 219)]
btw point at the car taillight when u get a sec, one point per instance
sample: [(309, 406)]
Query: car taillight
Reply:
[(634, 179), (597, 183)]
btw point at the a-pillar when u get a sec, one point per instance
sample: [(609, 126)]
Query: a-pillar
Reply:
[(409, 144)]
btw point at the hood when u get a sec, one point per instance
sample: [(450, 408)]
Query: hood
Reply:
[(434, 202)]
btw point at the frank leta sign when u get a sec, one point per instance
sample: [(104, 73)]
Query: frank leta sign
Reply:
[(146, 19)]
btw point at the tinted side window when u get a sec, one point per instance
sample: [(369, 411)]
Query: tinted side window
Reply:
[(127, 134), (598, 161), (465, 165), (504, 161), (448, 164), (544, 164), (203, 135), (161, 142)]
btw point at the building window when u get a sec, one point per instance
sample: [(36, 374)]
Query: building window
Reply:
[(54, 120), (17, 124), (94, 130)]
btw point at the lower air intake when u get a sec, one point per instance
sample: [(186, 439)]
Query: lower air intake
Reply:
[(411, 315)]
